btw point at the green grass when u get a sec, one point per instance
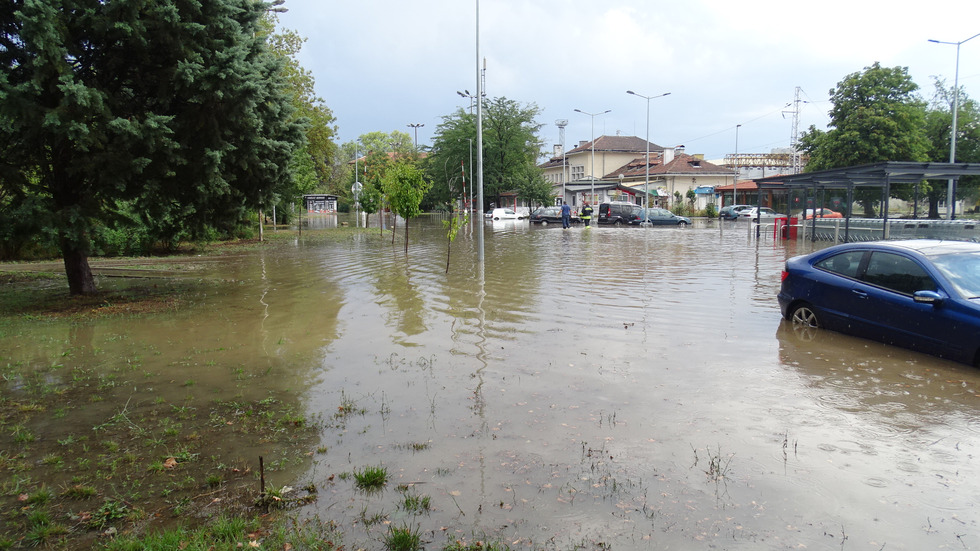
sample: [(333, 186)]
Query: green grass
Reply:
[(404, 538), (371, 478), (227, 533)]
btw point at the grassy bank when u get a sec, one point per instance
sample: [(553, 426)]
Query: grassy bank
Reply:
[(92, 455)]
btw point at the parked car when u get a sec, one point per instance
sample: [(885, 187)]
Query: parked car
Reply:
[(821, 213), (731, 211), (919, 294), (550, 215), (754, 213), (617, 212), (659, 217), (502, 214)]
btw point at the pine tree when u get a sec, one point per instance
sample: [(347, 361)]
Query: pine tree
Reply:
[(173, 109)]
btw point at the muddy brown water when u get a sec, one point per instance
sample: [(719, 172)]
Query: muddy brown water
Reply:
[(610, 388)]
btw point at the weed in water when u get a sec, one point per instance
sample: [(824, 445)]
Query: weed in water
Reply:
[(371, 478), (213, 480), (110, 512), (458, 545), (40, 497), (22, 434), (405, 538), (347, 407), (53, 460), (78, 491), (416, 503)]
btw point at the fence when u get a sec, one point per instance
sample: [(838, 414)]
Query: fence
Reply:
[(869, 229)]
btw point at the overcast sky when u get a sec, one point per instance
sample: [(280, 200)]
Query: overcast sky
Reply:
[(381, 65)]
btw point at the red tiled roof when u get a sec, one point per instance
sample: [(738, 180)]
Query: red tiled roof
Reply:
[(689, 164), (636, 168), (743, 185), (617, 143)]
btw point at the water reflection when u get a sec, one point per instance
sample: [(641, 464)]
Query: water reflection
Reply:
[(623, 388)]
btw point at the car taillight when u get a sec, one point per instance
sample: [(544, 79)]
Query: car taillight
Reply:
[(783, 277)]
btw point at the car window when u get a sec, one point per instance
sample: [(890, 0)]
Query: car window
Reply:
[(845, 264), (963, 270), (898, 273)]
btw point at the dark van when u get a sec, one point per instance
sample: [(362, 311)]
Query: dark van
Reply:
[(617, 212)]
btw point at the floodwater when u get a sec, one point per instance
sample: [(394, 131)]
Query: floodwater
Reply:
[(609, 388)]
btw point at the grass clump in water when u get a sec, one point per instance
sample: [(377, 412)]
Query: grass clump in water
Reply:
[(371, 478), (403, 538)]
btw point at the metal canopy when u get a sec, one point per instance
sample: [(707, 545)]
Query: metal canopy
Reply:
[(871, 175), (877, 175)]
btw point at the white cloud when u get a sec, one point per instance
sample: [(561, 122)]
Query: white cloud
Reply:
[(381, 64)]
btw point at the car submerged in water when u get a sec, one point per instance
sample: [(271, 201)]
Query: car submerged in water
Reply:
[(919, 294), (658, 217), (550, 215)]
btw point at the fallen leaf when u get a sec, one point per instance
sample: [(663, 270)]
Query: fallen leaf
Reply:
[(170, 463)]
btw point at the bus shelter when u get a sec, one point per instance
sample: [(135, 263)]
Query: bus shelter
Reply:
[(877, 176)]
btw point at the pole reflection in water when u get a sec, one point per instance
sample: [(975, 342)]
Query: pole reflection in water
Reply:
[(603, 388)]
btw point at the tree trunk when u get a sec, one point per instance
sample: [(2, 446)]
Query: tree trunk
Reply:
[(406, 236), (80, 280)]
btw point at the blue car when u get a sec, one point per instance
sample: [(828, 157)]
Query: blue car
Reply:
[(920, 294)]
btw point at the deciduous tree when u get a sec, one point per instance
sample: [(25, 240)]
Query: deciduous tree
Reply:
[(510, 151), (876, 116), (405, 186)]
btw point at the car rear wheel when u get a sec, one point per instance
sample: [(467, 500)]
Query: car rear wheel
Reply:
[(804, 315), (544, 222), (617, 222)]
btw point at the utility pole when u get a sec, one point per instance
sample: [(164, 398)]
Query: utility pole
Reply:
[(561, 124)]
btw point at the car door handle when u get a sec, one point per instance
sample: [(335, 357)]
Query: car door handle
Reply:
[(859, 293)]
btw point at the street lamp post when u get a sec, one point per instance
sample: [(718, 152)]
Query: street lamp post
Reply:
[(646, 178), (592, 171), (479, 142), (735, 180), (951, 189), (467, 94), (416, 126)]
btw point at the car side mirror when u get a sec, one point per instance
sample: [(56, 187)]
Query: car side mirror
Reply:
[(927, 297)]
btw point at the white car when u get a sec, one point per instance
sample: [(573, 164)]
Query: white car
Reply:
[(502, 214), (754, 214)]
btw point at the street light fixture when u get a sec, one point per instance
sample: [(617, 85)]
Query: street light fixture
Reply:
[(467, 94), (646, 178), (416, 126), (951, 189), (592, 175)]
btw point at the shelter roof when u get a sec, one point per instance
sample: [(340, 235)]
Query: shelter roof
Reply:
[(871, 175)]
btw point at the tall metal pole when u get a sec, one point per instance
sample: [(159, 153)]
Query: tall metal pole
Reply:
[(592, 171), (646, 179), (479, 141), (561, 124), (416, 126), (735, 180), (951, 185)]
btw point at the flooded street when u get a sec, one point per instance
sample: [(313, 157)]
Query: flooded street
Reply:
[(610, 388)]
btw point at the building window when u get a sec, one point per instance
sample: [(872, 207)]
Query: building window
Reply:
[(578, 172)]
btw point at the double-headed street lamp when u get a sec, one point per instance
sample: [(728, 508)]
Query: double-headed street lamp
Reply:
[(592, 175), (416, 126), (646, 179), (951, 190)]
